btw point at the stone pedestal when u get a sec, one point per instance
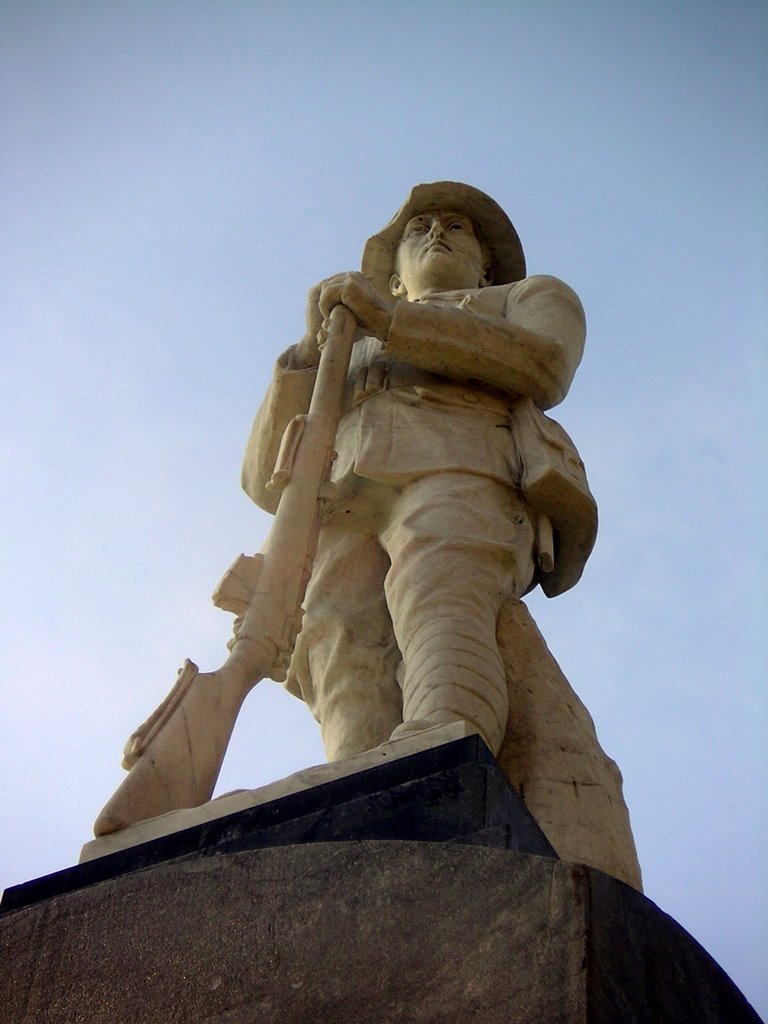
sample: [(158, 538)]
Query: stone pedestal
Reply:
[(461, 922)]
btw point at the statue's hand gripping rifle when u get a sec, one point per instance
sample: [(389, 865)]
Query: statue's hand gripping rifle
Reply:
[(174, 758)]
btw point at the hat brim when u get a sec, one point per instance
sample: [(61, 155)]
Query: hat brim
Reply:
[(491, 223)]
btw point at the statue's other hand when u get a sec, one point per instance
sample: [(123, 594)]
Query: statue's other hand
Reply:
[(373, 314), (307, 352)]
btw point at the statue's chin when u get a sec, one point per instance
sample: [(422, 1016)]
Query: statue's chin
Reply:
[(441, 274)]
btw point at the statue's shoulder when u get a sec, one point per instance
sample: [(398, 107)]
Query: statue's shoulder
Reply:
[(545, 285), (492, 299), (539, 290), (548, 300)]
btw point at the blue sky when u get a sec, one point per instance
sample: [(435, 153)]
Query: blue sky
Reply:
[(175, 176)]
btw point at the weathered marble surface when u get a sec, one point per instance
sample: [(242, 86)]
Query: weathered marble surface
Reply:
[(552, 756), (454, 495), (444, 493)]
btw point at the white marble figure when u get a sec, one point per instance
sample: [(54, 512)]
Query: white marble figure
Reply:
[(404, 445), (453, 496)]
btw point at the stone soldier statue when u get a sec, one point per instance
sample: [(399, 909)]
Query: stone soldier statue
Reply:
[(454, 494)]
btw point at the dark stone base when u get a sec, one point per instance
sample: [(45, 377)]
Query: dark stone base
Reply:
[(452, 793), (417, 891), (370, 931)]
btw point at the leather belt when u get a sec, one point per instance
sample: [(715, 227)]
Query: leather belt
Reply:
[(382, 375)]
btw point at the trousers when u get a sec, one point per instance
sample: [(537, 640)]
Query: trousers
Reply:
[(399, 631)]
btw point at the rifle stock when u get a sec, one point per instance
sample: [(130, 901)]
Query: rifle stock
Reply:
[(175, 757)]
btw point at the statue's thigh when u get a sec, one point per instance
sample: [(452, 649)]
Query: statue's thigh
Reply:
[(347, 581), (346, 657), (459, 532)]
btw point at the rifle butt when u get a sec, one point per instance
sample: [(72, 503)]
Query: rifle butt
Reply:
[(180, 763)]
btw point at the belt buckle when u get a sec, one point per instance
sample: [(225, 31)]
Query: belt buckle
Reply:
[(370, 380), (376, 378)]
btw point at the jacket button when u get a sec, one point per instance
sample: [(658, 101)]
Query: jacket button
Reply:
[(471, 396)]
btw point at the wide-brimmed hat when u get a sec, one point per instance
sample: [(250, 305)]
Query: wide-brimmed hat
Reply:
[(492, 224)]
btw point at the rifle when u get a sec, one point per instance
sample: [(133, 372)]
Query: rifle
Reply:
[(174, 758)]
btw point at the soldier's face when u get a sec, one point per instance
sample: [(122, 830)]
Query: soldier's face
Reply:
[(438, 252)]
